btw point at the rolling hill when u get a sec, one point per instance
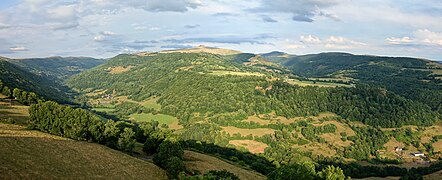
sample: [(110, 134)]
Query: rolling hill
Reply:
[(57, 67), (30, 154), (44, 76), (416, 79)]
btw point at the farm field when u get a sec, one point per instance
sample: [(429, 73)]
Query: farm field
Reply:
[(171, 121), (151, 103), (314, 83), (28, 154), (222, 73)]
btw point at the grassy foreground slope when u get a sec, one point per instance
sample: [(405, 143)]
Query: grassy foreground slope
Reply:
[(29, 154), (204, 163)]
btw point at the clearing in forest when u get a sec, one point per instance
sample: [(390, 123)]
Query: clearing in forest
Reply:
[(245, 132), (151, 103), (251, 145), (119, 69), (222, 73), (171, 121), (314, 83)]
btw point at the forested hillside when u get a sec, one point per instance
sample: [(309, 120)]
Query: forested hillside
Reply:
[(57, 67), (272, 113), (14, 76), (416, 79), (210, 84)]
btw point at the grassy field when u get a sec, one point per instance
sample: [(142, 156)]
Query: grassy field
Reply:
[(27, 154), (312, 83), (118, 69), (244, 132), (204, 163), (171, 121), (251, 145), (222, 73), (101, 109), (16, 111), (151, 103)]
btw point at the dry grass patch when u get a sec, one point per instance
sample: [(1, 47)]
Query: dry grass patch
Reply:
[(16, 111), (335, 139), (340, 127), (251, 145), (119, 69), (245, 132), (205, 163), (29, 154), (314, 83), (412, 127), (96, 93), (259, 120), (429, 132), (235, 73), (438, 146), (175, 125)]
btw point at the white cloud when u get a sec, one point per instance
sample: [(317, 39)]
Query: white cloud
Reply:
[(394, 40), (420, 37), (310, 39), (63, 12), (107, 33), (18, 48), (100, 38), (429, 37), (332, 42)]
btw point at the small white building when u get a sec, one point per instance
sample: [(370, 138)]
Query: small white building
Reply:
[(418, 154), (398, 148)]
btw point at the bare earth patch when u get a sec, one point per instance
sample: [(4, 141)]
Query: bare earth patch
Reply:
[(252, 145)]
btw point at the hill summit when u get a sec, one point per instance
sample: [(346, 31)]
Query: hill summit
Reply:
[(200, 49)]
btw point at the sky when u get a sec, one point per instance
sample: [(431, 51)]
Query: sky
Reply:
[(105, 28)]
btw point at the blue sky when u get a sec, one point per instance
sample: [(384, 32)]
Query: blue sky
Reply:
[(104, 28)]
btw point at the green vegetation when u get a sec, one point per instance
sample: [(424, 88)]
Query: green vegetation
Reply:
[(161, 118), (24, 151), (13, 76), (223, 103), (57, 67), (408, 77)]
